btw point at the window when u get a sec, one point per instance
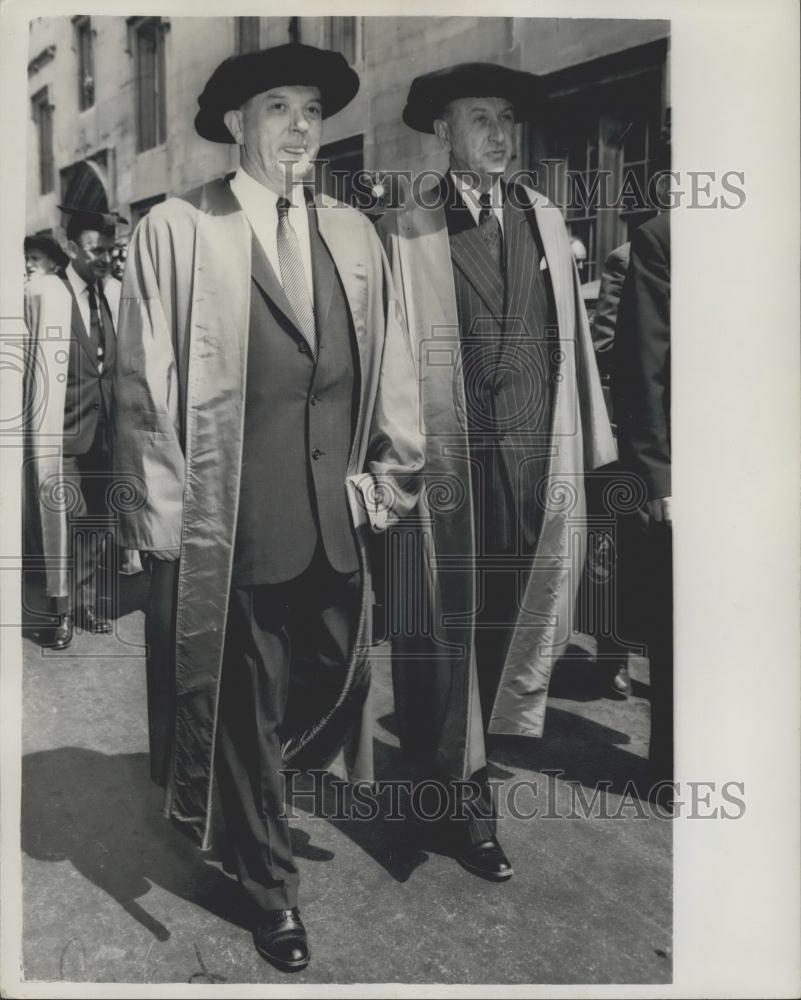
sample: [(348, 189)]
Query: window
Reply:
[(640, 143), (605, 163), (84, 43), (598, 146), (43, 117), (581, 209), (343, 160), (139, 209), (344, 34), (86, 183), (248, 34), (148, 52)]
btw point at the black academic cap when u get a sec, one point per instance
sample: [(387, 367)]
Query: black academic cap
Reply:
[(81, 220), (241, 77), (430, 93)]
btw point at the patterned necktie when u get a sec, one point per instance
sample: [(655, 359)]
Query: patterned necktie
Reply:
[(490, 228), (293, 277), (97, 333)]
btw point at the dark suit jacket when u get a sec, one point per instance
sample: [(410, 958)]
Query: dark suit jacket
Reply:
[(88, 395), (641, 375), (605, 319), (295, 452), (506, 317)]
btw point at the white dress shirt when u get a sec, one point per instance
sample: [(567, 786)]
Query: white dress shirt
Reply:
[(260, 206), (470, 196)]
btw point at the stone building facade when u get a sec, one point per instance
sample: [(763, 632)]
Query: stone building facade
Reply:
[(112, 103)]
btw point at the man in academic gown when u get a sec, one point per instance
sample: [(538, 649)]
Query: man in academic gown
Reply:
[(512, 413), (266, 399)]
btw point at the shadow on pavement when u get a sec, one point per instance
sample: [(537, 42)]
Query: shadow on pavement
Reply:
[(103, 814), (391, 843), (581, 749), (578, 676)]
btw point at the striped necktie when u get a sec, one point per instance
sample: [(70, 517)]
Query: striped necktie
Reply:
[(97, 333), (293, 277), (490, 228)]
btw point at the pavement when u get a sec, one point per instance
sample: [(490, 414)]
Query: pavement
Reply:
[(112, 893)]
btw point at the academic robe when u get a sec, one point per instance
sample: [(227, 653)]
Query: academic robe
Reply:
[(417, 244), (48, 318), (177, 426)]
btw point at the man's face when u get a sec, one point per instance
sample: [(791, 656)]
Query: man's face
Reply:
[(91, 255), (279, 131), (119, 256), (37, 262), (478, 133)]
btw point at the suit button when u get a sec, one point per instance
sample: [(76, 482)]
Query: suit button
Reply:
[(314, 401), (316, 454), (303, 348), (97, 406)]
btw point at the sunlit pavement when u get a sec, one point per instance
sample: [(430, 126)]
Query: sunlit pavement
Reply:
[(112, 893)]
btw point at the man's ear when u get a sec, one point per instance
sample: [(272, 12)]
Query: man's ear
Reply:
[(71, 249), (233, 122), (443, 133)]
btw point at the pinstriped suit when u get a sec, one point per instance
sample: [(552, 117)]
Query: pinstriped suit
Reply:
[(507, 330)]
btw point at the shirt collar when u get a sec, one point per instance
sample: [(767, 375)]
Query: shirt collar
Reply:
[(79, 286), (470, 194), (247, 189)]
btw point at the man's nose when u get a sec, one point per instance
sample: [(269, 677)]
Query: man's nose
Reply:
[(496, 130), (300, 123)]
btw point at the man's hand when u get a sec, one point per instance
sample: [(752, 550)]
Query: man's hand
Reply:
[(660, 510)]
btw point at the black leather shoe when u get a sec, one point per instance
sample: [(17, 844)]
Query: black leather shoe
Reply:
[(487, 860), (281, 939), (90, 621), (62, 634)]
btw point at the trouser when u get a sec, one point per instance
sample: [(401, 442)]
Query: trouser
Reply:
[(302, 628), (431, 690), (658, 625), (612, 591), (503, 557), (499, 592), (89, 474)]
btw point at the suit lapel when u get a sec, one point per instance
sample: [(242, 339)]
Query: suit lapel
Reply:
[(221, 200), (77, 326), (267, 280), (111, 290), (342, 233), (323, 276), (548, 221), (519, 267), (469, 252), (527, 276)]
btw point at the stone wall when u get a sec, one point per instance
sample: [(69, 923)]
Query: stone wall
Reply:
[(394, 51)]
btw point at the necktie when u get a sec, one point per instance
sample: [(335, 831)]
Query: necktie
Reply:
[(490, 228), (293, 277), (97, 333)]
